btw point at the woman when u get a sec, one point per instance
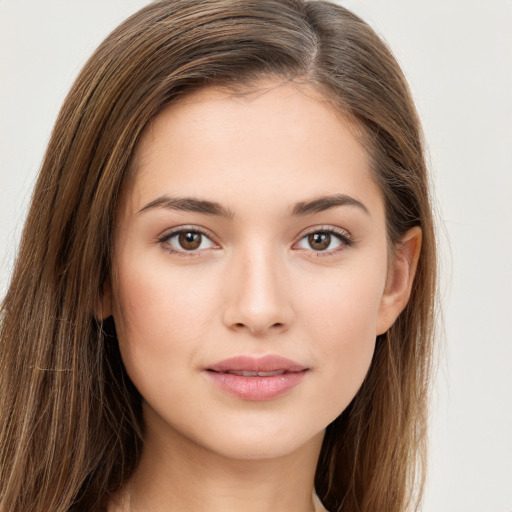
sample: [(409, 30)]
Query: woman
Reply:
[(223, 298)]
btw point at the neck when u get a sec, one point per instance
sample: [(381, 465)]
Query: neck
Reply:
[(177, 474)]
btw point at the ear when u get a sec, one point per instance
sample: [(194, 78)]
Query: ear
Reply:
[(400, 278), (103, 307)]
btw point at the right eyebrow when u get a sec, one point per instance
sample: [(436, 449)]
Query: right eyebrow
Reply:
[(189, 204)]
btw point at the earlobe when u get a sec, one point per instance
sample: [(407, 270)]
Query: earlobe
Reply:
[(400, 279)]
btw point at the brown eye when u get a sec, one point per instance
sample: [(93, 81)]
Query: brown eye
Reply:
[(187, 242), (319, 241), (325, 240), (190, 240)]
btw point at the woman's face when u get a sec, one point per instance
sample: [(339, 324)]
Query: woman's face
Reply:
[(250, 270)]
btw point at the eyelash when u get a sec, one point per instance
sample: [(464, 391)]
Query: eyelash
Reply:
[(342, 235)]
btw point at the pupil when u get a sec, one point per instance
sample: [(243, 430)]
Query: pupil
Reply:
[(319, 241), (190, 240)]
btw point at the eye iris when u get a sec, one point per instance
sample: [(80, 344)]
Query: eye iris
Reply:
[(189, 240), (319, 241)]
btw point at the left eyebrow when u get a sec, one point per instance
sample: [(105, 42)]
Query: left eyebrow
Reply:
[(324, 203)]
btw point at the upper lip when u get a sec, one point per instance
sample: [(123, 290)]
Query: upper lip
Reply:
[(268, 363)]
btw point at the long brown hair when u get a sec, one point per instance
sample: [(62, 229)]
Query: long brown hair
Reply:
[(71, 428)]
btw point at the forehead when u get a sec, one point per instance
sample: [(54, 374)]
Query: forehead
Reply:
[(254, 111), (272, 141)]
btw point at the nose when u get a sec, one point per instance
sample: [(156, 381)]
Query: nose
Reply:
[(258, 300)]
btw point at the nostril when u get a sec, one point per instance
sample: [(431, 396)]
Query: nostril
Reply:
[(241, 325)]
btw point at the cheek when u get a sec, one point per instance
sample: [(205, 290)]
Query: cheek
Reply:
[(344, 305), (160, 318), (341, 321)]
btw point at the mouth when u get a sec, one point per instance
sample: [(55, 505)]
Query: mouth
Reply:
[(269, 364), (256, 379), (254, 374)]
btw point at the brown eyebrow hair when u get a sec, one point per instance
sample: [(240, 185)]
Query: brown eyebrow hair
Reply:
[(302, 208), (189, 204), (325, 203)]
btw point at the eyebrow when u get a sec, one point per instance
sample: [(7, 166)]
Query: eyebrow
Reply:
[(326, 203), (302, 208), (189, 204)]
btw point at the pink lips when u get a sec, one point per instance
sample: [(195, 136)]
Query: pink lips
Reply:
[(256, 379)]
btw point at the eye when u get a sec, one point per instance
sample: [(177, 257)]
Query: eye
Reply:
[(325, 240), (186, 240)]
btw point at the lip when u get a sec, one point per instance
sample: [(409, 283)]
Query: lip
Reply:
[(285, 374)]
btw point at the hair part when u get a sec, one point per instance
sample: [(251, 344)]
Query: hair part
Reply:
[(71, 427)]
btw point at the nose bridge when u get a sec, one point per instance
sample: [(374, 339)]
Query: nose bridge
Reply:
[(258, 295)]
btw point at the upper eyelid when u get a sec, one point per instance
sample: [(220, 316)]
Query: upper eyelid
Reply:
[(325, 228), (306, 231), (168, 233)]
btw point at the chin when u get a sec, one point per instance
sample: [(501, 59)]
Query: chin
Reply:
[(252, 444)]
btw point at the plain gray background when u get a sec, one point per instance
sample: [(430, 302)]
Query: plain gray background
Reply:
[(457, 55)]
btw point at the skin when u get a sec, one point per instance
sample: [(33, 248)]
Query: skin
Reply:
[(254, 286)]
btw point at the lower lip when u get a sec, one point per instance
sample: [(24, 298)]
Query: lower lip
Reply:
[(256, 388)]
